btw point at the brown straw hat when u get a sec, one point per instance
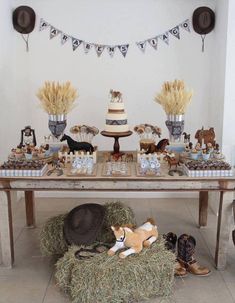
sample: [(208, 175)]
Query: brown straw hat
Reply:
[(24, 19), (203, 20), (83, 223)]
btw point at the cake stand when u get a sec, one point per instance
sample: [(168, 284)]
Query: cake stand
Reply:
[(116, 136)]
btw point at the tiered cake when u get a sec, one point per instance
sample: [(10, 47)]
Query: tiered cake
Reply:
[(116, 118)]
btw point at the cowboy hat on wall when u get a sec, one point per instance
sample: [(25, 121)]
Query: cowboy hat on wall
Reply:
[(203, 22), (23, 19)]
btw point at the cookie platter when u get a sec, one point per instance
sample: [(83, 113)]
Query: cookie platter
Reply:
[(210, 168)]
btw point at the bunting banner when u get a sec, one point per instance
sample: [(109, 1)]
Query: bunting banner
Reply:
[(99, 49), (111, 49), (153, 42), (175, 32)]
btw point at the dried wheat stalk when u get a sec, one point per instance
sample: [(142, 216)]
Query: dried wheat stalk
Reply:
[(56, 98), (174, 98)]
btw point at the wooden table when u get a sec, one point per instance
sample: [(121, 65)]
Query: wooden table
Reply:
[(224, 185)]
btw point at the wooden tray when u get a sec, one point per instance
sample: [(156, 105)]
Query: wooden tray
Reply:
[(116, 174), (82, 174)]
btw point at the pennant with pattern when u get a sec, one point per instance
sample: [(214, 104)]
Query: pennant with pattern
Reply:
[(186, 25), (76, 43), (111, 50), (53, 32), (64, 38), (165, 37), (123, 49), (99, 49), (43, 24), (153, 42), (175, 32), (87, 47), (141, 45)]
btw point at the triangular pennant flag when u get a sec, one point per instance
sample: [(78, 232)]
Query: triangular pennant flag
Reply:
[(111, 50), (43, 24), (87, 47), (123, 49), (53, 32), (76, 43), (186, 25), (165, 37), (175, 32), (64, 38), (153, 42), (141, 45), (99, 49)]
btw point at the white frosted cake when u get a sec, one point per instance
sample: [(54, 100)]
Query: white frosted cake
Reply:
[(116, 118)]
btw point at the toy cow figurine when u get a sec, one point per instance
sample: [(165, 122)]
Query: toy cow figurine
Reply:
[(135, 240)]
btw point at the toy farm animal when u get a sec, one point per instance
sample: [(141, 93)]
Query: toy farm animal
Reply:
[(135, 239), (74, 145), (186, 137), (160, 147), (115, 96)]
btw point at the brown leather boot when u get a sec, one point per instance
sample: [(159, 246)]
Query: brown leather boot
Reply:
[(194, 268), (180, 270), (186, 250)]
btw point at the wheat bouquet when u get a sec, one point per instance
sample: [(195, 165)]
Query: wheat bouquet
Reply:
[(174, 98), (56, 98)]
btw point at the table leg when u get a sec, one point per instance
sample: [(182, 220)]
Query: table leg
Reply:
[(6, 230), (224, 224), (30, 208), (203, 208)]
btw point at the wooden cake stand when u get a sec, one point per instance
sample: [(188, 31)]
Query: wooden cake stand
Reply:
[(116, 136)]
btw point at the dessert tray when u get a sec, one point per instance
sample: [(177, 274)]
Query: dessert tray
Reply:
[(83, 172), (147, 173), (23, 168), (209, 168), (116, 169)]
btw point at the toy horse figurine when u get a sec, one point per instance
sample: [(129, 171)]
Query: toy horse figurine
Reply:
[(186, 137), (74, 145), (160, 147), (135, 239)]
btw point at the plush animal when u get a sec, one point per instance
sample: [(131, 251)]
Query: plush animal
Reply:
[(133, 239), (74, 145)]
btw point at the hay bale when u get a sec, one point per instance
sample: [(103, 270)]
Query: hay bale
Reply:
[(104, 279), (116, 213), (52, 238)]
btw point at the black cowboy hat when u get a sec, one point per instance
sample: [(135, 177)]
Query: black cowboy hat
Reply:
[(203, 20), (83, 223), (24, 19)]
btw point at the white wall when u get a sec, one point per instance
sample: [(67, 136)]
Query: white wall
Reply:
[(138, 76)]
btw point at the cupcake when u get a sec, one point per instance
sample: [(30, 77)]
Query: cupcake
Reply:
[(18, 153)]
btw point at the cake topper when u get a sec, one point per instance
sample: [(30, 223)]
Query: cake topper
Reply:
[(115, 96)]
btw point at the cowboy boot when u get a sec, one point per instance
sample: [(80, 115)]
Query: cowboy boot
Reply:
[(186, 250), (170, 244), (170, 241)]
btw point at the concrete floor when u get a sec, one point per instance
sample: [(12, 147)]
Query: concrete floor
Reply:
[(31, 280)]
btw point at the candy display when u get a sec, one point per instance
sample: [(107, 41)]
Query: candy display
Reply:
[(116, 168), (82, 166), (23, 168), (210, 168), (84, 132), (148, 165)]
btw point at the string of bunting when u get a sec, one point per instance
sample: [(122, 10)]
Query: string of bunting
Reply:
[(111, 49)]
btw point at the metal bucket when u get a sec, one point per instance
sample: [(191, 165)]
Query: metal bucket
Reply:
[(175, 125), (57, 124)]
